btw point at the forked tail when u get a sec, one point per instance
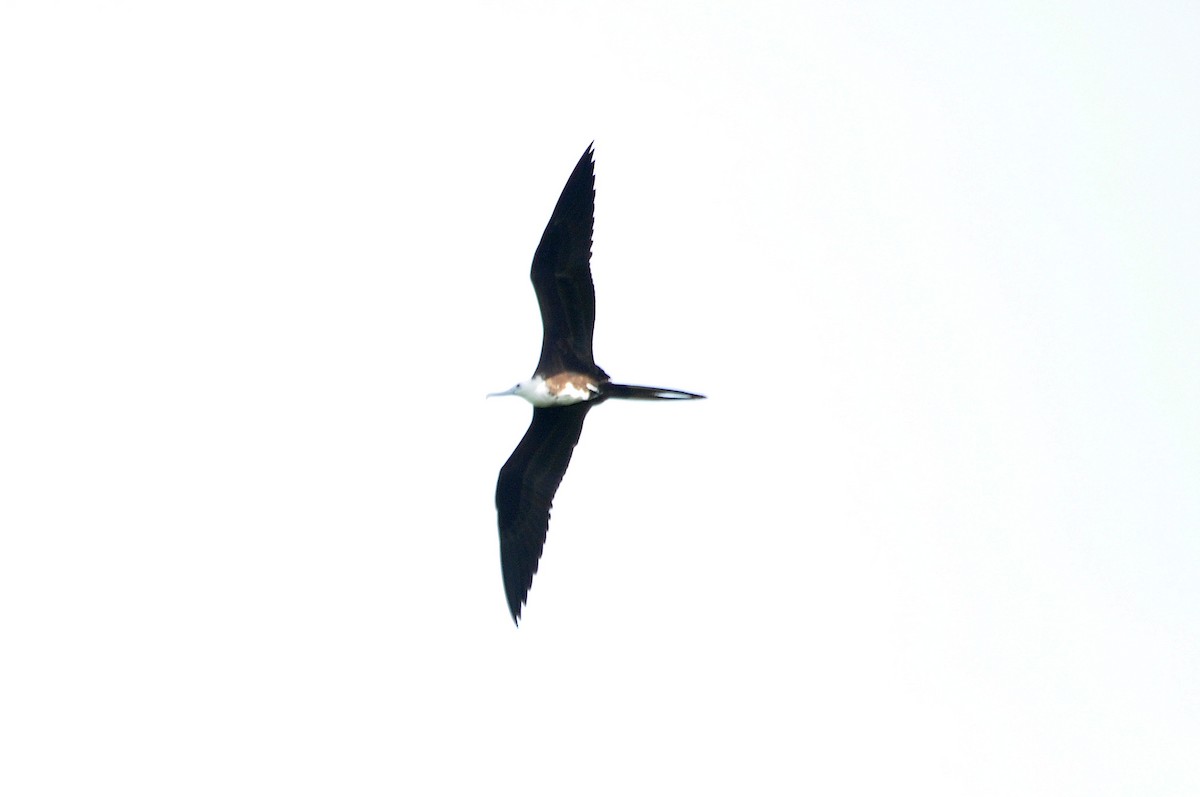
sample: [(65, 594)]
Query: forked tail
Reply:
[(616, 391)]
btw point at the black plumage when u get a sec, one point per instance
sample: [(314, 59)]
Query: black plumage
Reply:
[(562, 278), (525, 491)]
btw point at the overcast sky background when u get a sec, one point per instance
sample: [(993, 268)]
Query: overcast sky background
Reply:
[(936, 530)]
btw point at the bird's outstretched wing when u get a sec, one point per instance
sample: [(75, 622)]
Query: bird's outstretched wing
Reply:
[(562, 277), (525, 491)]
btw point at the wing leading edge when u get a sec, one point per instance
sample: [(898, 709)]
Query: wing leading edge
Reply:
[(525, 492), (562, 276)]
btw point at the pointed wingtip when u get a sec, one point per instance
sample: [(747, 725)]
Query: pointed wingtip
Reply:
[(514, 596)]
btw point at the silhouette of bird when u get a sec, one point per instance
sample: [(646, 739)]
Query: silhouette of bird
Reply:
[(565, 386)]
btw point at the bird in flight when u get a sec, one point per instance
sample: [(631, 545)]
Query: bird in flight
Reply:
[(566, 384)]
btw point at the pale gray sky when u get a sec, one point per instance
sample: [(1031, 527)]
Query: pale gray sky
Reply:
[(935, 532)]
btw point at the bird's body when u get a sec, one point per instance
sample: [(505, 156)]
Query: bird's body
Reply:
[(557, 390), (565, 386)]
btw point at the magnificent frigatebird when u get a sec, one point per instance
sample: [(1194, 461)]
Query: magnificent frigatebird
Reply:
[(566, 384)]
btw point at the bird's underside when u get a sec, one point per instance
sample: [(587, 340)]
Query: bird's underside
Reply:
[(565, 386), (525, 491)]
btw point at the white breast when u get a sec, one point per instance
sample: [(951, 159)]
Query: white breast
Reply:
[(558, 392)]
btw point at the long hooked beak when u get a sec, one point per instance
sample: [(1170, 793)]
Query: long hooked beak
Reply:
[(512, 391)]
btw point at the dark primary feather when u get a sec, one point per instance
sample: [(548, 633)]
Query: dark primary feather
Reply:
[(562, 277), (526, 490)]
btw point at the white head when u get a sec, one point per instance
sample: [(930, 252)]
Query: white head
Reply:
[(532, 390)]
